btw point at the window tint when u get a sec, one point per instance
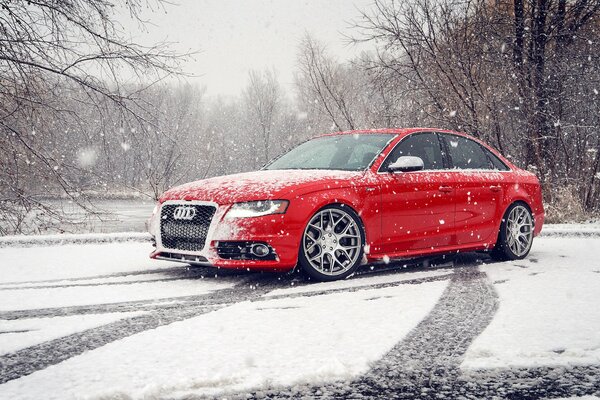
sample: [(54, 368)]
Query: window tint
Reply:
[(466, 154), (496, 162), (424, 145)]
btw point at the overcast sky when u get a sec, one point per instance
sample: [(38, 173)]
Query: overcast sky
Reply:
[(233, 36)]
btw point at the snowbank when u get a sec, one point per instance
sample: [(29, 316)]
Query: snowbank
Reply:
[(69, 238), (567, 230)]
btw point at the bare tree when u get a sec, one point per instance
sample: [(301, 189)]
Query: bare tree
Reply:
[(262, 98), (53, 55), (518, 73), (323, 81)]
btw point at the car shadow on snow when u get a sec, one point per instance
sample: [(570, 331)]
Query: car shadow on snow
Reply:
[(296, 276)]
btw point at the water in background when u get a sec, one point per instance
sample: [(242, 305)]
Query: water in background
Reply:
[(113, 216)]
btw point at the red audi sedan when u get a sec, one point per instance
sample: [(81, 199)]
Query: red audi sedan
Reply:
[(341, 200)]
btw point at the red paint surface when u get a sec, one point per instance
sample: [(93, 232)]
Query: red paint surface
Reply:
[(404, 214)]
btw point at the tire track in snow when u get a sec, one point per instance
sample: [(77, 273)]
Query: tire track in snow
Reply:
[(159, 312), (26, 361), (183, 272), (135, 305), (165, 303), (85, 278), (382, 285), (428, 358), (203, 300), (426, 364), (69, 285), (535, 383), (427, 361)]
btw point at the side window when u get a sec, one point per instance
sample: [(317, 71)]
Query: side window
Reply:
[(424, 145), (496, 162), (466, 154)]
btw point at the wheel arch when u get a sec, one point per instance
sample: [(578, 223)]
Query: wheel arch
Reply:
[(342, 208), (502, 250), (508, 205), (515, 201), (346, 198), (342, 204)]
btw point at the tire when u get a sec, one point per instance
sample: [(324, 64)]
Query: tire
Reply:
[(332, 244), (516, 234)]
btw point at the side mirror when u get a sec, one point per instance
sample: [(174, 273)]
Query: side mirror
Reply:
[(407, 164)]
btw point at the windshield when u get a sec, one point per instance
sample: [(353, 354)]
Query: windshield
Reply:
[(339, 152)]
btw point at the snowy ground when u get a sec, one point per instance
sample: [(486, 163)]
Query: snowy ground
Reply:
[(101, 321)]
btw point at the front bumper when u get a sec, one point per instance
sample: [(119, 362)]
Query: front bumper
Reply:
[(279, 231)]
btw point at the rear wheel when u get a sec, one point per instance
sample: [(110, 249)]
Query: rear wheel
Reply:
[(332, 244), (516, 234)]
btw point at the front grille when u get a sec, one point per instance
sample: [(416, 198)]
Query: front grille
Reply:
[(185, 234)]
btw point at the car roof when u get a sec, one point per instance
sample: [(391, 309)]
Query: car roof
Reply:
[(394, 131), (406, 131)]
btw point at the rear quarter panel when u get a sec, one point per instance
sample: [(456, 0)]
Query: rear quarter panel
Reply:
[(524, 186)]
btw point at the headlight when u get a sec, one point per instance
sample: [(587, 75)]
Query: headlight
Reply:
[(257, 208), (155, 210)]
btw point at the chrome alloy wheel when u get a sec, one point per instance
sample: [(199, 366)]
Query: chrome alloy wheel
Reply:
[(332, 242), (519, 230)]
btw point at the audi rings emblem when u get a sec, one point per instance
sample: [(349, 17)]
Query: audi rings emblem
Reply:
[(184, 212)]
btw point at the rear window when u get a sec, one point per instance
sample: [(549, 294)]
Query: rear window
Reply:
[(467, 154), (496, 162)]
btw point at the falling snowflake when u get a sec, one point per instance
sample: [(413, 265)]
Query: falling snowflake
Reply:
[(86, 157)]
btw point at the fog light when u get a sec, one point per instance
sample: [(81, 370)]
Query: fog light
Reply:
[(259, 250), (242, 250)]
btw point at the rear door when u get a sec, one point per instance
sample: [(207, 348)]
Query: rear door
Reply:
[(479, 189), (417, 208)]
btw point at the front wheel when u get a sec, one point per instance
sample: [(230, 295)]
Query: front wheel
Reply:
[(332, 244), (516, 234)]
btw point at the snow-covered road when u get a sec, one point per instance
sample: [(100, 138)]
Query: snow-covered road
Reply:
[(101, 321)]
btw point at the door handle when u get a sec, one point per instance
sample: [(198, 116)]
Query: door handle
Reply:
[(495, 188), (445, 189)]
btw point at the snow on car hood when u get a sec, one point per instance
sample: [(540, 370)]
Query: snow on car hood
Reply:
[(261, 185)]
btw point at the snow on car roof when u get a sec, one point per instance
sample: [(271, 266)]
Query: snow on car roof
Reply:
[(394, 131)]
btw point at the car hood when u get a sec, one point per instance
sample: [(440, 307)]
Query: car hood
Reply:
[(261, 185)]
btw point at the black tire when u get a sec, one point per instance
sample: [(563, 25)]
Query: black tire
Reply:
[(347, 261), (506, 248)]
